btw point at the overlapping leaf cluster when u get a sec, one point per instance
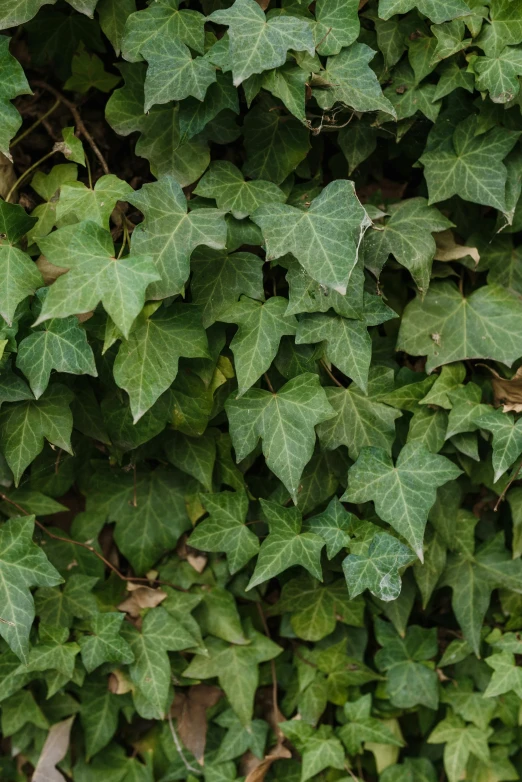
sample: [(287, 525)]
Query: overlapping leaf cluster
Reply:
[(260, 389)]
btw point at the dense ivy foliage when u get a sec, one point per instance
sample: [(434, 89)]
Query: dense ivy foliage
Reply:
[(260, 387)]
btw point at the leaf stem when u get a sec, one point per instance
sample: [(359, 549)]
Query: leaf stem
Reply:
[(279, 733), (508, 486), (330, 374), (78, 120), (179, 748), (27, 172), (269, 384), (35, 124)]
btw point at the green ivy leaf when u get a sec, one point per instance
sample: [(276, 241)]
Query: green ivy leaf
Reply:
[(225, 183), (378, 569)]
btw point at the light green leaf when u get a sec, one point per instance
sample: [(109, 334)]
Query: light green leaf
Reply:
[(448, 327), (14, 82), (498, 75), (258, 44), (507, 438), (325, 238), (96, 204), (284, 421), (361, 726), (337, 25), (378, 569), (436, 10), (169, 233), (347, 343), (256, 342), (461, 741), (333, 526), (226, 184), (469, 165), (104, 643), (404, 494), (26, 425), (286, 545), (407, 235), (506, 677), (94, 275), (352, 82), (225, 529), (147, 363), (23, 564)]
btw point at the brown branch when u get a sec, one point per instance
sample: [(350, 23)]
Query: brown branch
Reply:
[(330, 374), (269, 384), (77, 119), (91, 549), (511, 480), (279, 733)]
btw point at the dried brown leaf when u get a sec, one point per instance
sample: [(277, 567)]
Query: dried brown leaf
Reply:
[(141, 597), (508, 393), (119, 683), (54, 750), (256, 769), (48, 270), (189, 709)]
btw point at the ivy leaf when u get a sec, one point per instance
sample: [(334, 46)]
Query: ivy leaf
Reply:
[(258, 44), (333, 526), (407, 235), (286, 545), (23, 564), (219, 279), (348, 344), (226, 184), (105, 644), (437, 11), (53, 652), (361, 420), (289, 84), (461, 741), (169, 233), (325, 238), (448, 327), (337, 25), (404, 494), (61, 345), (507, 438), (26, 425), (147, 363), (378, 569), (99, 715), (275, 144), (505, 27), (194, 455), (255, 345), (316, 608), (48, 187), (409, 682), (19, 276), (235, 665), (94, 275), (361, 726), (150, 515), (506, 677), (307, 295), (498, 75), (470, 165), (472, 578), (319, 749), (225, 529), (95, 204), (88, 72), (162, 21), (285, 421), (14, 82), (352, 82)]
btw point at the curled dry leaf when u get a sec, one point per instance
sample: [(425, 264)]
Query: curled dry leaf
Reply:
[(256, 769), (508, 393), (189, 709), (54, 750), (449, 250), (7, 175), (119, 683), (141, 597), (48, 270)]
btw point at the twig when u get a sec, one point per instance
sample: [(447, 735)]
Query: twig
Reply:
[(77, 119), (511, 480), (179, 748), (35, 124), (27, 172), (279, 733), (269, 384), (330, 374), (91, 549)]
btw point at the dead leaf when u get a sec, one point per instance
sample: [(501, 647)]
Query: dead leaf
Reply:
[(507, 393), (195, 558), (263, 4), (256, 769), (48, 270), (449, 250), (119, 683), (141, 597), (189, 710), (54, 750), (7, 176)]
